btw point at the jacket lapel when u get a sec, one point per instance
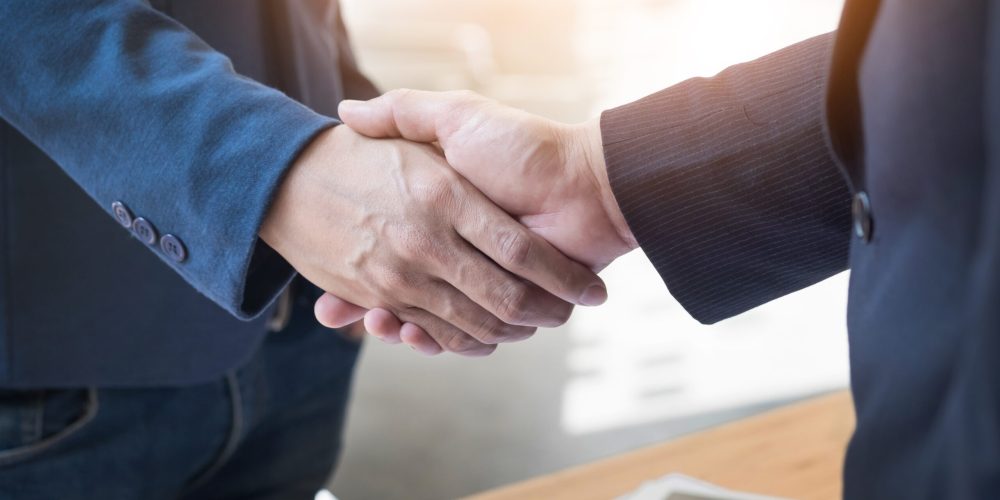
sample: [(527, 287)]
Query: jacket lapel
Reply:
[(843, 99)]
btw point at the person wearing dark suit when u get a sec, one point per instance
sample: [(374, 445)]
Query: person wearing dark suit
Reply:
[(167, 168), (874, 149)]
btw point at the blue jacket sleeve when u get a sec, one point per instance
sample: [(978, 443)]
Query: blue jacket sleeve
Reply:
[(137, 109)]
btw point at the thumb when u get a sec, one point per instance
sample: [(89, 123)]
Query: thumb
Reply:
[(409, 114), (371, 118)]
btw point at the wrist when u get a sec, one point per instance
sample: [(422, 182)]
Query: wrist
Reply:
[(276, 227), (589, 142)]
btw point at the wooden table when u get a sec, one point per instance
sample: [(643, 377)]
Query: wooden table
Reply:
[(793, 452)]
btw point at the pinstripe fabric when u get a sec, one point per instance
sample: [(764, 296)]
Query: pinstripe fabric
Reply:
[(728, 183)]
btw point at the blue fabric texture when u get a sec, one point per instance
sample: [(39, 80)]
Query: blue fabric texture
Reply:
[(136, 108), (187, 111)]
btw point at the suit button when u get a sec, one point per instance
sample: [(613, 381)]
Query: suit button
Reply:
[(144, 231), (173, 247), (862, 211), (122, 214)]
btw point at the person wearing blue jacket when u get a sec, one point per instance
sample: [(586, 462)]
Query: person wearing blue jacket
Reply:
[(167, 169)]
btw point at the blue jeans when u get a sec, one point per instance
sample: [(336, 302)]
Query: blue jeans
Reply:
[(270, 430)]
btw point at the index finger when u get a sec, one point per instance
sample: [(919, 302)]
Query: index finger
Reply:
[(528, 255), (414, 115)]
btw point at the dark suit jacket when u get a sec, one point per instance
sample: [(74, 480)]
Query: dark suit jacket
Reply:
[(876, 149), (171, 110)]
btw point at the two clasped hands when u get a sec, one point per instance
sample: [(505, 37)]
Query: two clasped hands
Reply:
[(449, 222)]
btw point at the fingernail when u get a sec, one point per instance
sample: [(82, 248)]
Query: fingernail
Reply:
[(594, 296)]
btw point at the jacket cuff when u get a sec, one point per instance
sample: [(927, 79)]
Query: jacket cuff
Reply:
[(227, 261), (260, 274)]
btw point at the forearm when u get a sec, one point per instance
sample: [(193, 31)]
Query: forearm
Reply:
[(728, 185)]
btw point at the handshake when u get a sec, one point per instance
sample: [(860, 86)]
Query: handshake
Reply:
[(448, 221)]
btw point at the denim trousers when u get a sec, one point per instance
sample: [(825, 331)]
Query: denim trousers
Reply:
[(268, 430)]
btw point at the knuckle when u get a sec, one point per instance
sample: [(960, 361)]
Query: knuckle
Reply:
[(490, 330), (512, 303), (421, 245), (397, 95), (510, 333), (434, 193), (520, 334), (470, 105), (460, 343), (393, 281), (448, 307), (416, 246), (513, 248)]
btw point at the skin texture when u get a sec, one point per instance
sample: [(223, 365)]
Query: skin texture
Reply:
[(550, 176), (387, 225)]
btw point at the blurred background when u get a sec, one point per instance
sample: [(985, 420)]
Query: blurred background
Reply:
[(634, 372)]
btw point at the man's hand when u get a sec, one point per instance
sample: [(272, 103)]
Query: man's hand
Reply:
[(387, 224), (549, 175)]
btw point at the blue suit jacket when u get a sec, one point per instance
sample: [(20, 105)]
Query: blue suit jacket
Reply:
[(107, 101), (877, 149)]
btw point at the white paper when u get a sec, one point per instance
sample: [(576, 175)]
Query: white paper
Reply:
[(681, 487)]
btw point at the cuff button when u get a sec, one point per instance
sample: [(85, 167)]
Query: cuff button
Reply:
[(862, 212), (122, 214), (144, 231), (173, 247)]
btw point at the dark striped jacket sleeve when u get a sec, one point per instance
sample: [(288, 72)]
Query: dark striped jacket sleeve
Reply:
[(728, 184)]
